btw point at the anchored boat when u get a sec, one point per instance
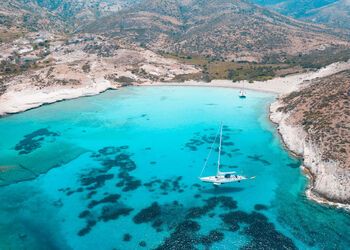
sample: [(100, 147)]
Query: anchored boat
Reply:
[(220, 177), (242, 94)]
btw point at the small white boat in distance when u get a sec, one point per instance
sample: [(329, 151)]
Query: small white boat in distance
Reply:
[(242, 94), (221, 177)]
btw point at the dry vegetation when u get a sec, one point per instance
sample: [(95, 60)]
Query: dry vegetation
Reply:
[(224, 29), (84, 60), (213, 68), (323, 109)]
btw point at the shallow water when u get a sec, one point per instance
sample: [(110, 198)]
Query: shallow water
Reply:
[(122, 174)]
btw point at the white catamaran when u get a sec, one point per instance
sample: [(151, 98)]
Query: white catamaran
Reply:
[(221, 177)]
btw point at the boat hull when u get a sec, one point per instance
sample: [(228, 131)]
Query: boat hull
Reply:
[(218, 180)]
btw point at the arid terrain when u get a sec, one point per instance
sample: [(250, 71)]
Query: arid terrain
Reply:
[(228, 30), (334, 13), (319, 114), (48, 69)]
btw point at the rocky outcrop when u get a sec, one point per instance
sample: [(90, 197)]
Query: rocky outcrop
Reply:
[(313, 123), (80, 66)]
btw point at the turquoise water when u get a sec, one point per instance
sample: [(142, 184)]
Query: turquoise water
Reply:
[(123, 172)]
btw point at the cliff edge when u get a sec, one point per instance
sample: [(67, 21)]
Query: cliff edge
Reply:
[(314, 122)]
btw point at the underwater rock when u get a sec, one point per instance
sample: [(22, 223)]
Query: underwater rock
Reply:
[(87, 228), (84, 214), (70, 192), (258, 158), (127, 237), (95, 181), (107, 213), (214, 236), (112, 157), (233, 219), (259, 207), (90, 194), (142, 243), (113, 212), (108, 199), (184, 237), (128, 182), (211, 203), (198, 141), (147, 214), (262, 233), (33, 140), (166, 185)]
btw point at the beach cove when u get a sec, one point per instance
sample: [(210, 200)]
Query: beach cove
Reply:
[(119, 170)]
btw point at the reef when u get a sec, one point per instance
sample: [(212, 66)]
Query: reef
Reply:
[(262, 233), (147, 214), (166, 185), (33, 141), (115, 159)]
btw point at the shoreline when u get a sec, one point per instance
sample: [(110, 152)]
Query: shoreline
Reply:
[(57, 101), (317, 198), (293, 139), (13, 103), (23, 98), (203, 85)]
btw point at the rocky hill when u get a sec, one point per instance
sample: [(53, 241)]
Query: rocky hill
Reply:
[(225, 29), (58, 68), (230, 30), (56, 15), (334, 13), (315, 123), (28, 16)]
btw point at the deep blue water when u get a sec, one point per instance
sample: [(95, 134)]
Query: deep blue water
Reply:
[(124, 169)]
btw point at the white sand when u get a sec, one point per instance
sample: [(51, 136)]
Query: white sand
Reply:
[(24, 97), (27, 98), (279, 85)]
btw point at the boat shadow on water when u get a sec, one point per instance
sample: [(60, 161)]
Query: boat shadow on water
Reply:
[(222, 190)]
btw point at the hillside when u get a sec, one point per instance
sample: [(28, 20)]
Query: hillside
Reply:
[(228, 30), (295, 8), (320, 114), (18, 18), (60, 68), (334, 13), (55, 15)]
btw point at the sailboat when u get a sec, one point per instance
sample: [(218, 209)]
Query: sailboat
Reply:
[(221, 177), (242, 93)]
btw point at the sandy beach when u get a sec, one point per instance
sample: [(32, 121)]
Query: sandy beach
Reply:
[(278, 85), (24, 97)]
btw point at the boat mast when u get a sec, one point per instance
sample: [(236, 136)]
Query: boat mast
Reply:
[(218, 170)]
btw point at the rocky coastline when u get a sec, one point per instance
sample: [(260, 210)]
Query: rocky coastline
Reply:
[(329, 182), (329, 177)]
